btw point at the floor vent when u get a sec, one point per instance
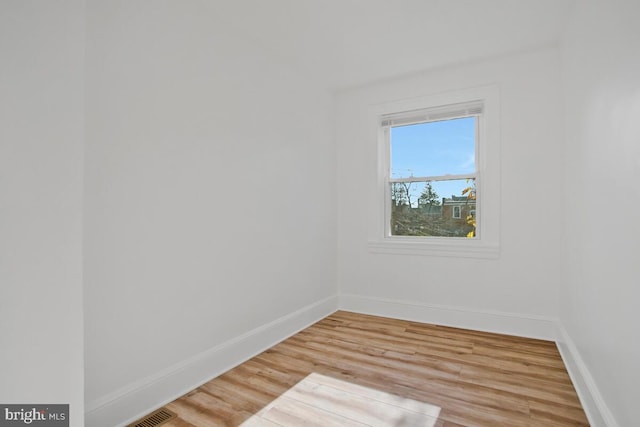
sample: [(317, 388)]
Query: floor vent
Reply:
[(154, 419)]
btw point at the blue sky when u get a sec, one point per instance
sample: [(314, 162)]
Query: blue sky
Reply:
[(433, 149)]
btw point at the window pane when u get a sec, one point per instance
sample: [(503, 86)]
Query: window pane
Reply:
[(434, 148), (436, 208)]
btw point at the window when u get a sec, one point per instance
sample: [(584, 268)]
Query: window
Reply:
[(456, 213), (438, 175), (432, 175)]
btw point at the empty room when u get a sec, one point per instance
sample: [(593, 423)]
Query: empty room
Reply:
[(319, 212)]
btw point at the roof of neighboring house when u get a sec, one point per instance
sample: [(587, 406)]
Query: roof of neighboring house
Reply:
[(458, 199)]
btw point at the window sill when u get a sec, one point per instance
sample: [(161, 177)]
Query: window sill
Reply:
[(457, 248)]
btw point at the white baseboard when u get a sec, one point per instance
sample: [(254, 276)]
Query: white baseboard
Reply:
[(594, 405), (529, 326), (134, 401)]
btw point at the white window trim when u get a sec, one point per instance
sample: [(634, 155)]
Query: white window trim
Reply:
[(453, 212), (487, 243)]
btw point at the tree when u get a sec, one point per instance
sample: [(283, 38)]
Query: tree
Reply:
[(401, 193), (398, 194), (471, 195), (428, 196), (407, 191)]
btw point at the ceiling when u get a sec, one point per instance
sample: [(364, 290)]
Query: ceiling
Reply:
[(345, 43)]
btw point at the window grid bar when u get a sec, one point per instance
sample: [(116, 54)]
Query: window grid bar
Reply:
[(433, 178)]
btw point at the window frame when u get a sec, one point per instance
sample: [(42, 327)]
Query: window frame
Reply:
[(453, 212), (430, 115), (486, 243)]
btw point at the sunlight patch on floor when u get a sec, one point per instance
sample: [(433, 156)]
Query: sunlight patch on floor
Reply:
[(323, 401)]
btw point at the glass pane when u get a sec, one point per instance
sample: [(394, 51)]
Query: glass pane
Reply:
[(436, 208), (434, 148)]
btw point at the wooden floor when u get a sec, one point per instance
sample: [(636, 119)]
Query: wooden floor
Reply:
[(356, 370)]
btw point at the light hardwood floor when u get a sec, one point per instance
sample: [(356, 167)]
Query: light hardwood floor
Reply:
[(356, 370)]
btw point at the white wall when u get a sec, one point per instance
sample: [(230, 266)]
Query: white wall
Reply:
[(41, 135), (599, 305), (199, 143), (525, 278), (209, 199)]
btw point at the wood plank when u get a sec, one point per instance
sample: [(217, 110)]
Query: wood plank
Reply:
[(203, 410), (556, 414), (351, 369), (177, 422), (289, 412)]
